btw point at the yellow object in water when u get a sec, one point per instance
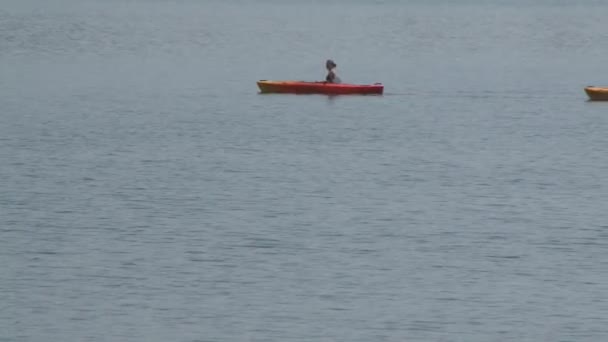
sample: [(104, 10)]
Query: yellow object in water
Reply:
[(597, 93)]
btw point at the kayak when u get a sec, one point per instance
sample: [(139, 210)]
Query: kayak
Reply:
[(302, 87), (597, 93)]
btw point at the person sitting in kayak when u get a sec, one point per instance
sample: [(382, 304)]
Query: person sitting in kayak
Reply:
[(331, 73)]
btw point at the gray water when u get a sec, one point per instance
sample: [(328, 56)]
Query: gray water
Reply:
[(149, 193)]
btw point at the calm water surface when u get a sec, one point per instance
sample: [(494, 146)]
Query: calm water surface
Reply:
[(148, 193)]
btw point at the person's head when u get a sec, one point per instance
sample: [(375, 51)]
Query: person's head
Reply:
[(330, 64)]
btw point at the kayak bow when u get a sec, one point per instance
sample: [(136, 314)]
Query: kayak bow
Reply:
[(597, 93)]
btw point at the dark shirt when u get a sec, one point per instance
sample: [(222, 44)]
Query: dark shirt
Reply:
[(331, 77)]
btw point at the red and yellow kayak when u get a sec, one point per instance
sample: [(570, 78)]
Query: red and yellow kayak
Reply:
[(302, 87), (597, 93)]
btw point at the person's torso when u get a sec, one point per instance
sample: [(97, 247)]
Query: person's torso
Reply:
[(333, 77)]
